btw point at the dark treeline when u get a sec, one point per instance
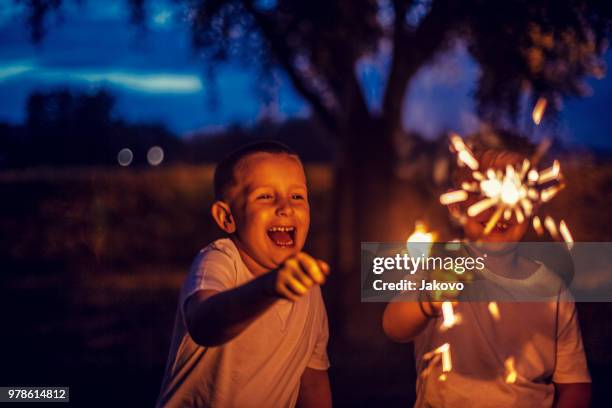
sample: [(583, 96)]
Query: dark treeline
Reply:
[(67, 128)]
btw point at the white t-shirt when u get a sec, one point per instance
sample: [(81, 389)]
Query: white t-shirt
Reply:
[(260, 367), (506, 361)]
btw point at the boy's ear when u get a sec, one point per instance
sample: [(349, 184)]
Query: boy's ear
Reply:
[(222, 214)]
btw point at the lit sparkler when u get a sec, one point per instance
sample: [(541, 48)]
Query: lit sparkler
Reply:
[(538, 110), (494, 310), (442, 354), (420, 241), (449, 318), (511, 373), (513, 191)]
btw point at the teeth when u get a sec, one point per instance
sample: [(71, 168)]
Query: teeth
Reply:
[(281, 229)]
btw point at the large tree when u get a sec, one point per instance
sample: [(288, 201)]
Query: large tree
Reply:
[(534, 48), (523, 48)]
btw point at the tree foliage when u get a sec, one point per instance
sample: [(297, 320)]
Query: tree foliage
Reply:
[(536, 48), (539, 48)]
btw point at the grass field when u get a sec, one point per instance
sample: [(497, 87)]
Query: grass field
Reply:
[(91, 262)]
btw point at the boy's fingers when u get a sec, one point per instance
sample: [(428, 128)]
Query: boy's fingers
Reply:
[(304, 279), (296, 287), (296, 272), (311, 267), (287, 294), (324, 266)]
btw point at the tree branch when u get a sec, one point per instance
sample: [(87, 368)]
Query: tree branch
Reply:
[(411, 50), (283, 54)]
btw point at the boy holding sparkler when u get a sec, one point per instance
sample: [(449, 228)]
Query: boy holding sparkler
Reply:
[(500, 354), (251, 327)]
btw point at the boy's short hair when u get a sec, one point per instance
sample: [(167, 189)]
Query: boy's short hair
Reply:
[(224, 172)]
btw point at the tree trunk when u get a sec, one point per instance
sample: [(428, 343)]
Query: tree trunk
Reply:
[(369, 204)]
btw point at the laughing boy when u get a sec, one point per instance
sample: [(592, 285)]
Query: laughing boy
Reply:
[(251, 327)]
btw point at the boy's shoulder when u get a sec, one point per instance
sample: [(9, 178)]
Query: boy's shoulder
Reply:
[(221, 246), (222, 251), (217, 266)]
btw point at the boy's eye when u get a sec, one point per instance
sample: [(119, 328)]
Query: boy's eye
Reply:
[(264, 196), (297, 196)]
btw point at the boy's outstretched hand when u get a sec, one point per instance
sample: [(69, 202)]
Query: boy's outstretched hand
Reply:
[(297, 275)]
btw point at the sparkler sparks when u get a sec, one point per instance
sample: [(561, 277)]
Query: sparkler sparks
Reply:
[(565, 233), (513, 191), (511, 373), (420, 241), (494, 310), (449, 318), (538, 110), (453, 197), (443, 354)]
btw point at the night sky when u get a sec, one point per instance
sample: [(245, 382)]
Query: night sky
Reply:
[(156, 77)]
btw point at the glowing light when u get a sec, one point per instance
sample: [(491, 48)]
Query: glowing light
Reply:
[(520, 218), (468, 159), (464, 154), (457, 142), (566, 234), (453, 197), (493, 220), (550, 173), (550, 225), (494, 310), (155, 156), (449, 318), (491, 187), (549, 193), (480, 206), (472, 187), (537, 225), (515, 190), (511, 373), (538, 110), (420, 241), (510, 192), (125, 157), (447, 363)]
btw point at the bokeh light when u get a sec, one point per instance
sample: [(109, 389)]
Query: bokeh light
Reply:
[(125, 157), (155, 155)]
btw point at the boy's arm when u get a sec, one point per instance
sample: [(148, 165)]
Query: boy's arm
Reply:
[(215, 317), (571, 376), (315, 391), (403, 321), (573, 395)]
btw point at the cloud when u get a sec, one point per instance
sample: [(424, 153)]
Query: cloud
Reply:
[(145, 82), (149, 82), (15, 69)]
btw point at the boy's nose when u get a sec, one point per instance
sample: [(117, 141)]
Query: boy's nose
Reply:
[(284, 209)]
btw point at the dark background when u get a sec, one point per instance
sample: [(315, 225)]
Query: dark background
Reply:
[(92, 254)]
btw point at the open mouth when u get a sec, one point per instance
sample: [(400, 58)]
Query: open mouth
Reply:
[(282, 236), (500, 226)]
